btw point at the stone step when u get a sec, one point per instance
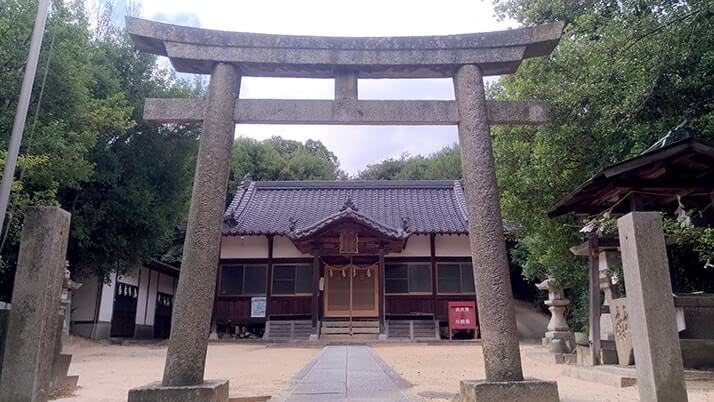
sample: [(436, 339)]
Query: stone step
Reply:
[(346, 331), (355, 324), (605, 375), (69, 381), (61, 365), (350, 338)]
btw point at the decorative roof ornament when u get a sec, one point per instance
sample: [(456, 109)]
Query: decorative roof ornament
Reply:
[(230, 219), (292, 223), (680, 132), (247, 178), (349, 205), (405, 223)]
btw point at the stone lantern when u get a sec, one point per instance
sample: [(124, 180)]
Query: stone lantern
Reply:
[(558, 338)]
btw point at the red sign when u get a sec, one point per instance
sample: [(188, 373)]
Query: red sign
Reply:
[(462, 315)]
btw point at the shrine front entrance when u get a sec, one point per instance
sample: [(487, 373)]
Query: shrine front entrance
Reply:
[(351, 291)]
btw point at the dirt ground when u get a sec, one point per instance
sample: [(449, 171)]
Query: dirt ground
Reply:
[(107, 372), (438, 369)]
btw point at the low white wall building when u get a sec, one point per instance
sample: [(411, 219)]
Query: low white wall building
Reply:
[(132, 306)]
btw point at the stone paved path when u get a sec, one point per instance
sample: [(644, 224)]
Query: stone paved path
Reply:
[(348, 373)]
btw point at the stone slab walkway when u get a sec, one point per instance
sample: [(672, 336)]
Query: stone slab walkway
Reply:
[(348, 373)]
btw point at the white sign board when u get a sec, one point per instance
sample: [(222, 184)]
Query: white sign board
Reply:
[(257, 307)]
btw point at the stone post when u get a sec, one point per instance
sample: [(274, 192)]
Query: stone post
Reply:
[(497, 317), (193, 307), (186, 355), (494, 295), (33, 321), (650, 308)]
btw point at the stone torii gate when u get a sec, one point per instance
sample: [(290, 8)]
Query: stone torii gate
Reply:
[(227, 56)]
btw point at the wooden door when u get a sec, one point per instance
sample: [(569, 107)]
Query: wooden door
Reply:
[(124, 314), (162, 316), (351, 291)]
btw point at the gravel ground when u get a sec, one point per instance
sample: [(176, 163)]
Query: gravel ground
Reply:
[(107, 372), (436, 371)]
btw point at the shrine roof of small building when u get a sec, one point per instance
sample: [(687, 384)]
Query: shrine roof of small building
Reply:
[(196, 50), (392, 207), (682, 167)]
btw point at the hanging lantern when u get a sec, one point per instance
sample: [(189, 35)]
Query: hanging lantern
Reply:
[(344, 273), (369, 272)]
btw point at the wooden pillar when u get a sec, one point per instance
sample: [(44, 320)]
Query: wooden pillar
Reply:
[(269, 278), (315, 288), (432, 262), (636, 202), (594, 298), (382, 299)]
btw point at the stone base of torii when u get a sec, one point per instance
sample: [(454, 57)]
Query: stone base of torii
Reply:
[(229, 55)]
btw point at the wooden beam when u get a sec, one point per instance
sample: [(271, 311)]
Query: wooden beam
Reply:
[(594, 296), (353, 112)]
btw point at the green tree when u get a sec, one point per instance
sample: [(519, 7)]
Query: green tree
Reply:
[(86, 147), (126, 212), (624, 74), (63, 118), (443, 164), (279, 159)]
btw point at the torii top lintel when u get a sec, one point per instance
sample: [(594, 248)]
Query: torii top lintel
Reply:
[(196, 50)]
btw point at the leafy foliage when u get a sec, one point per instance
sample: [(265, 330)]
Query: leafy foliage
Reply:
[(280, 159), (623, 75), (443, 164), (85, 146)]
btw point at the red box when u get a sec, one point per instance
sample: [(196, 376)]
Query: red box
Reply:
[(462, 315)]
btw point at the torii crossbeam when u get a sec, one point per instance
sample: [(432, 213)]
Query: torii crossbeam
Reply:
[(227, 56)]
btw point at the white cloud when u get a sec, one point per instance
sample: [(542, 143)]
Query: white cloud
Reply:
[(356, 147)]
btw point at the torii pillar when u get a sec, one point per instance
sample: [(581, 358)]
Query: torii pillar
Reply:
[(228, 55)]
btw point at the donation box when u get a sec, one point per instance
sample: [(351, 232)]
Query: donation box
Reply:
[(462, 315)]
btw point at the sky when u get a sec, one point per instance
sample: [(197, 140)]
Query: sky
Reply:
[(355, 146)]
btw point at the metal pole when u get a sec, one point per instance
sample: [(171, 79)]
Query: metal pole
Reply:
[(23, 103)]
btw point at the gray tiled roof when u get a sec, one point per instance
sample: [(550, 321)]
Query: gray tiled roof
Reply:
[(284, 207)]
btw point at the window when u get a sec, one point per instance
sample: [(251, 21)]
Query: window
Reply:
[(407, 278), (242, 280), (455, 278), (293, 279)]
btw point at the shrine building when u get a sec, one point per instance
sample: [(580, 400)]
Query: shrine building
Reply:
[(377, 259)]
